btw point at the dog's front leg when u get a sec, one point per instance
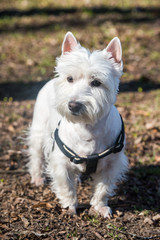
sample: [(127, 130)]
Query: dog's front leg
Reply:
[(99, 201), (105, 181), (64, 184)]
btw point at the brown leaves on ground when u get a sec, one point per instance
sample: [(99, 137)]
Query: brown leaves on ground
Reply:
[(34, 212)]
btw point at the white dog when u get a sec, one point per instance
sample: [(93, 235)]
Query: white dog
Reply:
[(89, 136)]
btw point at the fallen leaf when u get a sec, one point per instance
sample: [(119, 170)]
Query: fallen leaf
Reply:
[(157, 158), (119, 213), (29, 62), (14, 217), (150, 125), (62, 232), (25, 221), (5, 158), (42, 205), (148, 220), (11, 152), (156, 217), (142, 112), (11, 128), (138, 140)]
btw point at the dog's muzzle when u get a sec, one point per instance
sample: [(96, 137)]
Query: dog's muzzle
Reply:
[(75, 107)]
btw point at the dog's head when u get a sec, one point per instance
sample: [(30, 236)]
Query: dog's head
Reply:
[(87, 83)]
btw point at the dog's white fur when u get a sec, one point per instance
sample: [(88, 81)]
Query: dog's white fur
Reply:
[(90, 131)]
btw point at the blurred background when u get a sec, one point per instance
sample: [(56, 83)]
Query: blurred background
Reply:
[(32, 31)]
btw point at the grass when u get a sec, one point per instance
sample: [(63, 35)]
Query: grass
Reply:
[(155, 56), (72, 3), (113, 230), (94, 220), (40, 36), (72, 234)]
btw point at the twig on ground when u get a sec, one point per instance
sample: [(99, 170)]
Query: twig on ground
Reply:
[(133, 235), (13, 172), (28, 233), (99, 236)]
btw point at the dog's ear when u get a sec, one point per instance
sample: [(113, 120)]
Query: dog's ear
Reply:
[(114, 47), (69, 43)]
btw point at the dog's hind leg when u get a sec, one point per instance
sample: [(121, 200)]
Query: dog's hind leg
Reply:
[(36, 138), (35, 165)]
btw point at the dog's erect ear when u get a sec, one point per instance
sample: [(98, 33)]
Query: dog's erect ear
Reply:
[(69, 43), (114, 47)]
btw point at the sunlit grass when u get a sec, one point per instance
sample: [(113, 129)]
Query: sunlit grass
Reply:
[(72, 3)]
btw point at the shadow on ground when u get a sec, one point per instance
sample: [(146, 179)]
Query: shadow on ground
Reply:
[(94, 10), (141, 191), (28, 91), (68, 17)]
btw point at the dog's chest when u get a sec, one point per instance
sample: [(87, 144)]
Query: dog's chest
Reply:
[(83, 141), (85, 147)]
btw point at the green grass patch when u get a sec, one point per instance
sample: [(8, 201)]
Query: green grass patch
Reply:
[(113, 231), (155, 55)]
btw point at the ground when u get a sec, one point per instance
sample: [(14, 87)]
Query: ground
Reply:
[(31, 37)]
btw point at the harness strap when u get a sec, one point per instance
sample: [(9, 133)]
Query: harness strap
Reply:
[(91, 160)]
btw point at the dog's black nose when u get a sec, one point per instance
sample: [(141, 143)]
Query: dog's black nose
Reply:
[(75, 107)]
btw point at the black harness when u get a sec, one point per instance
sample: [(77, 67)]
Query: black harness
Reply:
[(91, 160)]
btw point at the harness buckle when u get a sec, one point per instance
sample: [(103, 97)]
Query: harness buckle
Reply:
[(72, 159), (118, 148), (76, 159)]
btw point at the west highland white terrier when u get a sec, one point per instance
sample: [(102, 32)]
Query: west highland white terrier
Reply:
[(76, 128)]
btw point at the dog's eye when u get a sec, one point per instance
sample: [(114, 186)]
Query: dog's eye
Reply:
[(95, 83), (70, 79)]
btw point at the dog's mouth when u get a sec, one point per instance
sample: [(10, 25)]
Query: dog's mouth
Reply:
[(75, 113)]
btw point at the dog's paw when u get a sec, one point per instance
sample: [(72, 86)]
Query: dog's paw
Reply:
[(105, 212), (93, 212), (37, 181), (71, 211)]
